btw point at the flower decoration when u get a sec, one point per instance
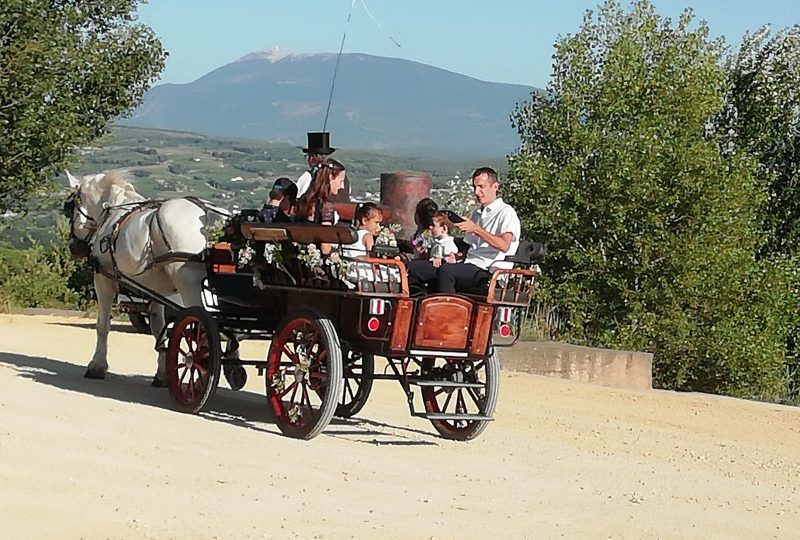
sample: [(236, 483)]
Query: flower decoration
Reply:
[(422, 243), (245, 256), (388, 235)]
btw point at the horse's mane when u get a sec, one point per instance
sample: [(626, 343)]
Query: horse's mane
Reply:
[(112, 189)]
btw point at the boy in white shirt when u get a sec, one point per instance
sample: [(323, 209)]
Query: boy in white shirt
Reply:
[(443, 248)]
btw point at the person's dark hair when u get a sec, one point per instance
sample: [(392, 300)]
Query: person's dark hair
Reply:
[(283, 188), (365, 211), (320, 189), (488, 171), (423, 215)]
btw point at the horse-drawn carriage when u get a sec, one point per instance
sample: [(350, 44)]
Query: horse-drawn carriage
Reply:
[(328, 318), (326, 332)]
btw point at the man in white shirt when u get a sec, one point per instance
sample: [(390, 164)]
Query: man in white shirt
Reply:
[(492, 233), (319, 146)]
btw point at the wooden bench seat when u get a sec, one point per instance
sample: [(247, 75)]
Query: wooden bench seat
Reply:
[(302, 233)]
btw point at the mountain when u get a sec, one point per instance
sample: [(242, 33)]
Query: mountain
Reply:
[(378, 103)]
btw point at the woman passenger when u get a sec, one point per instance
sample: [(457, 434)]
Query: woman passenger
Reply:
[(315, 205)]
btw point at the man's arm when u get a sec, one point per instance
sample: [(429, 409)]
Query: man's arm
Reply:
[(501, 242)]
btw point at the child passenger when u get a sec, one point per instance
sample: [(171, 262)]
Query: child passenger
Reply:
[(443, 248), (368, 219)]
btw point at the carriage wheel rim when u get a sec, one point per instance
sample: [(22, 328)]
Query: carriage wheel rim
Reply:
[(191, 373), (302, 353), (459, 400)]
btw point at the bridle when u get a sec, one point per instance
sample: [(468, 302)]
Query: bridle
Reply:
[(73, 208)]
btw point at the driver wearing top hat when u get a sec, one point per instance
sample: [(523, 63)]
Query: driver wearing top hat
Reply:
[(319, 146)]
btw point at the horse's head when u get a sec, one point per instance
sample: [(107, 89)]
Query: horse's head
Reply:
[(82, 219), (88, 205)]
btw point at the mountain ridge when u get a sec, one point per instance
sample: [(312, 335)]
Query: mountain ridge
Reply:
[(379, 103)]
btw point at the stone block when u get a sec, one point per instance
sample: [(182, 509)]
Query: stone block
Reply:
[(625, 369)]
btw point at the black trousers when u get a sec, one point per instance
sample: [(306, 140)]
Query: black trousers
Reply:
[(448, 278)]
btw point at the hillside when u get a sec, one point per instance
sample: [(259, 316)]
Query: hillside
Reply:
[(379, 103), (229, 171)]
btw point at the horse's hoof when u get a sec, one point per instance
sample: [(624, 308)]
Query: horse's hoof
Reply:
[(95, 374), (158, 383)]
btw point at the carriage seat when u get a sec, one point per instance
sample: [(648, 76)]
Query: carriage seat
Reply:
[(302, 233), (528, 255)]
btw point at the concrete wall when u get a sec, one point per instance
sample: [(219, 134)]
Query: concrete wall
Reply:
[(626, 369)]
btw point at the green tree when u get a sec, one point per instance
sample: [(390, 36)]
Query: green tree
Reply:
[(67, 68), (762, 120), (652, 230)]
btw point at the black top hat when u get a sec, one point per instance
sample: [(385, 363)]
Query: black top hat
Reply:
[(286, 187), (319, 142)]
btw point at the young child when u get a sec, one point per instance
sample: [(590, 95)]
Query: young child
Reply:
[(368, 219), (423, 217), (443, 248), (282, 197)]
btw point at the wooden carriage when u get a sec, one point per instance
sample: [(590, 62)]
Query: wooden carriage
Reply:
[(327, 327)]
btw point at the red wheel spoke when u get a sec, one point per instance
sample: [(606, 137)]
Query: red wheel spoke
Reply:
[(348, 390), (475, 397), (461, 405), (306, 399), (447, 402), (291, 354), (286, 390), (294, 392)]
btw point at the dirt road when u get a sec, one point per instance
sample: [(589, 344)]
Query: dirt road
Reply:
[(111, 459)]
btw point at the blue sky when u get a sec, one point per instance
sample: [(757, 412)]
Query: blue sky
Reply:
[(495, 40)]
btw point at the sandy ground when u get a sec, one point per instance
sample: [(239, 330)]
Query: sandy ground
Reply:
[(112, 459)]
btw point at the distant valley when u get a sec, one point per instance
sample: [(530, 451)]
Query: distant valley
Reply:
[(233, 172)]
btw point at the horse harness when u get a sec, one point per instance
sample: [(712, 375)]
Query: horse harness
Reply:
[(108, 242)]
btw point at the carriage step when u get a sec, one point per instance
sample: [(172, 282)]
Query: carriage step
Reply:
[(447, 384), (453, 416)]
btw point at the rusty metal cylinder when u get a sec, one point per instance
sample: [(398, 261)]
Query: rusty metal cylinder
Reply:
[(401, 191)]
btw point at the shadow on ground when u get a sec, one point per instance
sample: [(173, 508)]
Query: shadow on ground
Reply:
[(121, 326), (237, 408)]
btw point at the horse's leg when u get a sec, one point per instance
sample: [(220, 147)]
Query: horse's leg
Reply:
[(106, 291), (157, 323)]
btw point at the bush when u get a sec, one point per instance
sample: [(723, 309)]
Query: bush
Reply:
[(45, 277)]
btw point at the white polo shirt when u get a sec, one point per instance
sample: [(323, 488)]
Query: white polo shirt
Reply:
[(497, 218)]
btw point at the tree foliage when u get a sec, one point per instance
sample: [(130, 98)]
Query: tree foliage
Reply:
[(67, 68), (763, 120), (652, 228)]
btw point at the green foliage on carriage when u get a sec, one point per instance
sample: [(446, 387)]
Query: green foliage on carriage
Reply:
[(67, 69), (652, 228)]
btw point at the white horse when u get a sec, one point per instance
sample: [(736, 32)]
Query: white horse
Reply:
[(155, 244)]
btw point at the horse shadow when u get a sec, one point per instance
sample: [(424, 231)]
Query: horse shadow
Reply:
[(123, 327), (240, 408)]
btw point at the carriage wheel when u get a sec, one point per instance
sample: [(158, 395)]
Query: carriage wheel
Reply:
[(304, 374), (193, 359), (461, 400), (356, 383)]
